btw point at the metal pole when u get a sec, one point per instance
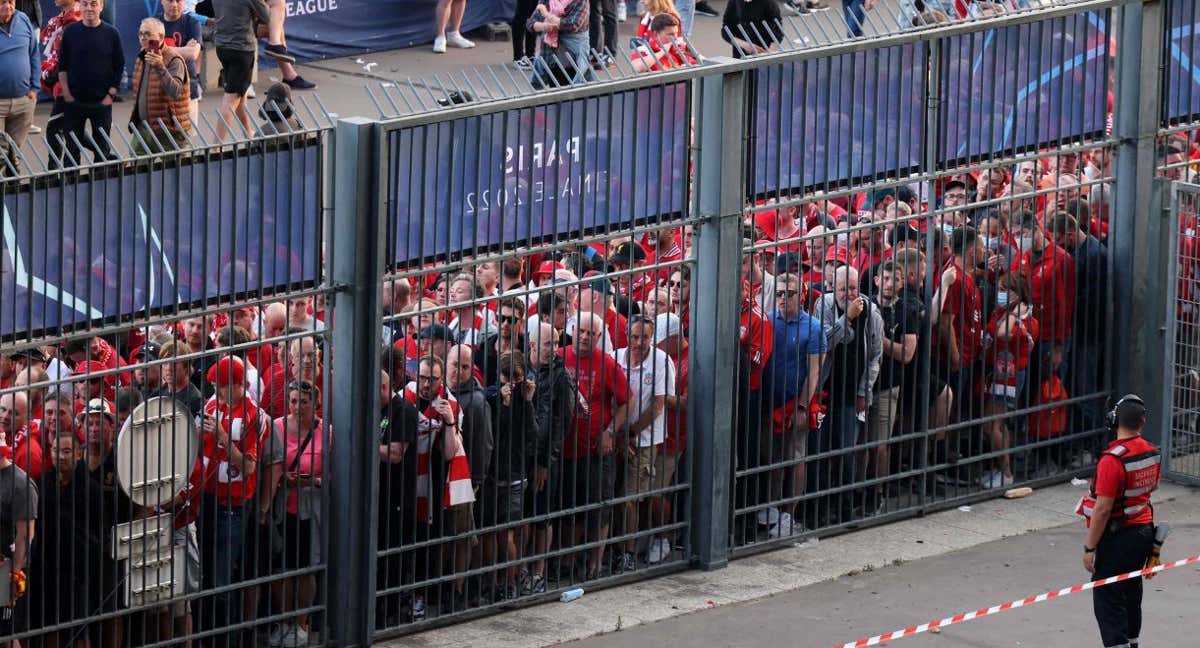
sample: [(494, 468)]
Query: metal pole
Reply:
[(1138, 232), (720, 185), (355, 240), (929, 160)]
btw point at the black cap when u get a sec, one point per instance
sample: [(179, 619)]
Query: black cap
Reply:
[(628, 253), (148, 351), (790, 262), (436, 332)]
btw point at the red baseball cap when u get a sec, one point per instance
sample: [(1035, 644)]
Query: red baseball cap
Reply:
[(838, 254), (548, 267), (227, 370)]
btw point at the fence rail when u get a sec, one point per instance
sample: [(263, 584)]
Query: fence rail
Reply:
[(466, 358)]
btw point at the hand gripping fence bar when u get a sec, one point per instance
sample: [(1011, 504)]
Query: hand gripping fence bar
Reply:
[(1012, 605)]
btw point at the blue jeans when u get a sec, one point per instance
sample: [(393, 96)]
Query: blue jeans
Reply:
[(855, 15), (687, 15), (570, 57), (221, 543)]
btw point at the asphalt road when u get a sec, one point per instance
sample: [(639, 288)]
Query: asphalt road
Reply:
[(870, 603)]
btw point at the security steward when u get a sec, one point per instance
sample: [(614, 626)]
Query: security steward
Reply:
[(1120, 522)]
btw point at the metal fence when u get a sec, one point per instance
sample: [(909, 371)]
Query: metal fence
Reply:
[(581, 335)]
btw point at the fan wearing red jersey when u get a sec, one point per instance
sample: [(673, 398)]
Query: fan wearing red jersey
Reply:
[(664, 48)]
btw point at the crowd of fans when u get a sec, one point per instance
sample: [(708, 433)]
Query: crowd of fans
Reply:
[(534, 405)]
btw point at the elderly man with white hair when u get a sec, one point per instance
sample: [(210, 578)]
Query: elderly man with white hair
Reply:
[(854, 333), (161, 118)]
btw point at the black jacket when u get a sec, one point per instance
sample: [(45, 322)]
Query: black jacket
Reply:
[(477, 429), (556, 401), (515, 428)]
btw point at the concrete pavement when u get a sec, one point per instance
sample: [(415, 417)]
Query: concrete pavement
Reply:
[(822, 593), (876, 601)]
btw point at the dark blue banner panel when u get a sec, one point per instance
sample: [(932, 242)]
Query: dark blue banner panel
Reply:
[(1024, 87), (512, 177), (86, 249), (832, 120), (1181, 72)]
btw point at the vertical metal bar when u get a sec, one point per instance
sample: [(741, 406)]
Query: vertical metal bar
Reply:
[(932, 146), (354, 234), (1136, 272), (719, 197), (1171, 200)]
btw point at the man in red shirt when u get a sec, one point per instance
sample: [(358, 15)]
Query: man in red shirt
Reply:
[(960, 323), (1120, 523), (664, 49), (756, 340), (589, 467), (1051, 273), (231, 429), (22, 435)]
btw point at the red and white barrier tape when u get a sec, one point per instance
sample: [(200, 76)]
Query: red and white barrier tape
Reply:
[(996, 609)]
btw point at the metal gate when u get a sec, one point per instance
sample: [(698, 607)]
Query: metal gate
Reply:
[(1181, 365)]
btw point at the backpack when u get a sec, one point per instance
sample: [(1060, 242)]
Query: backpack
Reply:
[(1052, 422)]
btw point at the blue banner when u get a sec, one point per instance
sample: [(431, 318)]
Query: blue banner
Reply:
[(518, 176), (1024, 87), (1181, 74), (830, 120), (115, 244)]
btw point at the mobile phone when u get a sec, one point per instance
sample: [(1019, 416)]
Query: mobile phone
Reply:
[(153, 46)]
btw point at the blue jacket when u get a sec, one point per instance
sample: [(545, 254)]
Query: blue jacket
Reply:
[(20, 57)]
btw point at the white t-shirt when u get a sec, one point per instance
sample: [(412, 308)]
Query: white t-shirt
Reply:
[(654, 377)]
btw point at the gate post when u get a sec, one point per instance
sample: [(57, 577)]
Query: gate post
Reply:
[(720, 184), (1138, 237), (355, 240)]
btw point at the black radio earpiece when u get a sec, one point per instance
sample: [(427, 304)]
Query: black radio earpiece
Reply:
[(1110, 418)]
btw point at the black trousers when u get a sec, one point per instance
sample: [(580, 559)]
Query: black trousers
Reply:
[(603, 15), (1118, 607), (524, 42), (75, 117)]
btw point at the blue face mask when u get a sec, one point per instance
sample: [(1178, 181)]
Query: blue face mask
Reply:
[(1002, 298), (947, 229)]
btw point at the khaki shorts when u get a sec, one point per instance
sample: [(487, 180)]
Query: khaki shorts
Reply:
[(459, 521), (664, 468), (639, 470)]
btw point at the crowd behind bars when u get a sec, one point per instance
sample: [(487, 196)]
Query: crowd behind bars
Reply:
[(534, 405)]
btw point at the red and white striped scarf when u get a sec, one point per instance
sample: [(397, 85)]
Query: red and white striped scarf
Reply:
[(458, 471)]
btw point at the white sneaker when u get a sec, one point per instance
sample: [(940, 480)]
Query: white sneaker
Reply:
[(1006, 481), (455, 39), (768, 517), (296, 637), (991, 479), (622, 11), (34, 129), (250, 92), (439, 45), (276, 638), (659, 549), (785, 527)]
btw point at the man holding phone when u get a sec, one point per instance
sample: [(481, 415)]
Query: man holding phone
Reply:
[(161, 106)]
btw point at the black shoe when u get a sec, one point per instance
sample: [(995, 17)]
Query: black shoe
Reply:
[(279, 53), (705, 9), (300, 83)]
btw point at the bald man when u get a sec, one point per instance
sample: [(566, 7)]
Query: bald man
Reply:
[(33, 376), (21, 434), (302, 362), (477, 419), (854, 334)]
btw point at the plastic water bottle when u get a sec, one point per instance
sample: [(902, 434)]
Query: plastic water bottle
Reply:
[(571, 595)]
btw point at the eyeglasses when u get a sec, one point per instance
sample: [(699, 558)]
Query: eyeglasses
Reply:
[(147, 34), (786, 294), (428, 379)]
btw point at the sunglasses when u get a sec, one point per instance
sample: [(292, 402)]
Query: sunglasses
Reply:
[(508, 319), (301, 385), (786, 293)]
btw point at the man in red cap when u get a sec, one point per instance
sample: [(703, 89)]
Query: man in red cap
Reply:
[(231, 430), (95, 386)]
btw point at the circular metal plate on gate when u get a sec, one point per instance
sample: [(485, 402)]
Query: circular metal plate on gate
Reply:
[(156, 449)]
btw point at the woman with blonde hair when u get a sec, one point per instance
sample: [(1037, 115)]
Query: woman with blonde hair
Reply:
[(653, 8)]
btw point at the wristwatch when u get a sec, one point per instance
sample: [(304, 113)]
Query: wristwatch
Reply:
[(1086, 550)]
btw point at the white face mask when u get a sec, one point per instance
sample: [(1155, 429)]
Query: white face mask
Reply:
[(1002, 298), (991, 243), (947, 229), (1025, 243)]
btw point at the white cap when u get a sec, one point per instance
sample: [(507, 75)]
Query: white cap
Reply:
[(665, 326)]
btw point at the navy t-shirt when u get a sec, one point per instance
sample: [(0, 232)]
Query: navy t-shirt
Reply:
[(179, 32)]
